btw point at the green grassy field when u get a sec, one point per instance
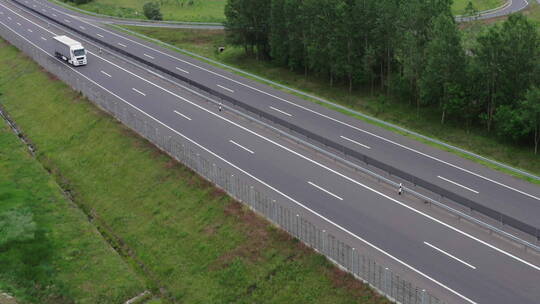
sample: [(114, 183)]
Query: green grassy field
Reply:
[(205, 43), (178, 10), (458, 7), (66, 260), (192, 243)]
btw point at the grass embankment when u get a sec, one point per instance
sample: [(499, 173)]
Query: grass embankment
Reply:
[(458, 6), (427, 122), (193, 242), (61, 257), (172, 10)]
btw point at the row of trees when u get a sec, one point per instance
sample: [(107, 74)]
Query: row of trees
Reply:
[(408, 49)]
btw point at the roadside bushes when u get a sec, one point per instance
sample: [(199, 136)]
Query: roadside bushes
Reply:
[(152, 11)]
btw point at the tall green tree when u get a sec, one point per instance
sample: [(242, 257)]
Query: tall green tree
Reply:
[(530, 114), (442, 79)]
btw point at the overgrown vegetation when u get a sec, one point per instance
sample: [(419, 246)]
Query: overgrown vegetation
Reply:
[(179, 10), (192, 243), (152, 11), (411, 50), (49, 251)]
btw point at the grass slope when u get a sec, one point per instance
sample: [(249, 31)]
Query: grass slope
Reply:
[(194, 243), (67, 260), (177, 10), (458, 7), (427, 122)]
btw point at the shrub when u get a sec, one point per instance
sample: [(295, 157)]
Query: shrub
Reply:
[(152, 11)]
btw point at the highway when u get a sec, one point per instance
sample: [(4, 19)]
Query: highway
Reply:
[(462, 266), (418, 163)]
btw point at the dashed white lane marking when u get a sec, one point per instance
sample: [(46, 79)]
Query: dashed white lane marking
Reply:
[(460, 185), (325, 191), (18, 24), (148, 56), (448, 254), (54, 15), (355, 142), (102, 72), (43, 38), (99, 35), (280, 111), (30, 30), (67, 21), (240, 146), (82, 27), (122, 45), (182, 70), (138, 91), (182, 115), (225, 88)]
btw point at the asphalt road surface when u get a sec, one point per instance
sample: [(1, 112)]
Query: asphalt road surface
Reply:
[(468, 180), (458, 264)]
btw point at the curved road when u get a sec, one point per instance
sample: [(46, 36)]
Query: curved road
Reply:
[(512, 7)]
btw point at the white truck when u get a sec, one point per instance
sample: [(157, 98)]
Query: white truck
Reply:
[(69, 50)]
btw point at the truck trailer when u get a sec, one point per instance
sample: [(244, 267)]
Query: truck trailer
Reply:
[(69, 50)]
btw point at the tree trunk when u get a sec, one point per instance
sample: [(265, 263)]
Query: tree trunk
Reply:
[(442, 116), (536, 139)]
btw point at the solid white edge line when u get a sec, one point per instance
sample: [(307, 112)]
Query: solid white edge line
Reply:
[(264, 183), (137, 91), (225, 88), (457, 184), (186, 117), (280, 111), (102, 72), (317, 113), (448, 254), (240, 146), (355, 142), (182, 70), (335, 224), (325, 191), (148, 56)]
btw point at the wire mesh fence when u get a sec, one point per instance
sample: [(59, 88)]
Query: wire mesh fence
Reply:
[(237, 184)]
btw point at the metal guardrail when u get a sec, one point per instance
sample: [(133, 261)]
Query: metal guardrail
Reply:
[(425, 184), (324, 237)]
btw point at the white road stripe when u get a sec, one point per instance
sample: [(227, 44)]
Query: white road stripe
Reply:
[(287, 149), (102, 72), (280, 111), (30, 30), (460, 185), (181, 70), (122, 45), (148, 56), (43, 38), (82, 27), (18, 24), (67, 21), (182, 115), (276, 190), (54, 15), (138, 91), (225, 88), (324, 190), (355, 142), (448, 254), (99, 35), (237, 144)]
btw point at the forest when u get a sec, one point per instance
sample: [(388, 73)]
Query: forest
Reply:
[(410, 50)]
